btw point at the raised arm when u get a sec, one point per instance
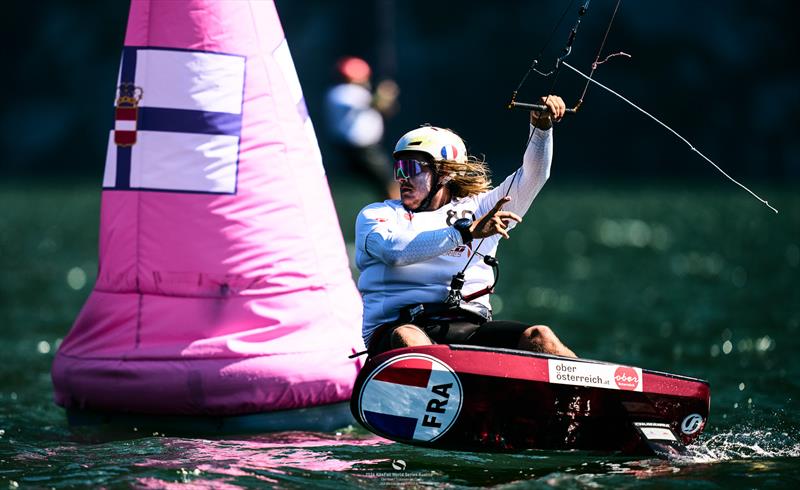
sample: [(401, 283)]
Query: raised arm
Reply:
[(524, 185)]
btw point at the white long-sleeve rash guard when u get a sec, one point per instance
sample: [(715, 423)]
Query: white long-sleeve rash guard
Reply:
[(409, 258)]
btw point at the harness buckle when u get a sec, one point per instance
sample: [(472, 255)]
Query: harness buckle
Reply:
[(416, 311)]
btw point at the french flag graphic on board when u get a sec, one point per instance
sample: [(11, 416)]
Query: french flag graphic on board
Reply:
[(178, 121), (414, 397)]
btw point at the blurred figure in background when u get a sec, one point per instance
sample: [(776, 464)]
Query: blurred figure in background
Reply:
[(354, 115)]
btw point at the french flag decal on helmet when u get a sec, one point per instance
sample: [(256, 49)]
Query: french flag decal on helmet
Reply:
[(449, 152), (413, 397)]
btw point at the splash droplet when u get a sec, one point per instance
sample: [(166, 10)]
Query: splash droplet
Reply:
[(76, 278), (727, 347), (764, 343)]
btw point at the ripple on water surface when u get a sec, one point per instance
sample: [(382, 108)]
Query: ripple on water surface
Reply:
[(356, 458)]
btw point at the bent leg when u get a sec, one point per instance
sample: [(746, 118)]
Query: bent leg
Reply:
[(539, 338), (409, 335)]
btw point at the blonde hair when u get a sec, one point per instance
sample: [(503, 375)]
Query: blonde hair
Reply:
[(465, 178)]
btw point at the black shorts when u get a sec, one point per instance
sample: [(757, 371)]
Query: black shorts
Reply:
[(471, 331)]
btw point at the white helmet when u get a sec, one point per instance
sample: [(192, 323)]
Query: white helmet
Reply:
[(440, 144)]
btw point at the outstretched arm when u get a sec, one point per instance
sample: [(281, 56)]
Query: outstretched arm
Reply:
[(524, 184)]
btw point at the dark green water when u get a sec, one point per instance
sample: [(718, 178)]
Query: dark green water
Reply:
[(693, 281)]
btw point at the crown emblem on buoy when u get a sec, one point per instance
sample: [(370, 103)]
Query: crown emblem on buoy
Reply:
[(126, 114)]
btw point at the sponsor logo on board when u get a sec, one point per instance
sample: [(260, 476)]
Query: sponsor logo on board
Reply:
[(692, 424), (597, 375), (412, 397), (626, 378)]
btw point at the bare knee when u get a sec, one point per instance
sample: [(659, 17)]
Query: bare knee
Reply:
[(540, 338), (409, 336), (538, 332)]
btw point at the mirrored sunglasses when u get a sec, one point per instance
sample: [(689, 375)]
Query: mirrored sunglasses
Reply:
[(406, 169)]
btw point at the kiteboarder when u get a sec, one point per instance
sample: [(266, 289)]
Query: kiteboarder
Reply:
[(408, 249)]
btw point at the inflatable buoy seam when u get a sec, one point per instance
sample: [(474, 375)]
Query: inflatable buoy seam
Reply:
[(345, 353)]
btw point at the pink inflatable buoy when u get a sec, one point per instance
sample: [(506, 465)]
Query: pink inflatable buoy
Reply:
[(223, 285)]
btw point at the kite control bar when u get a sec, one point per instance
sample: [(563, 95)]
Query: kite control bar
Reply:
[(536, 107)]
